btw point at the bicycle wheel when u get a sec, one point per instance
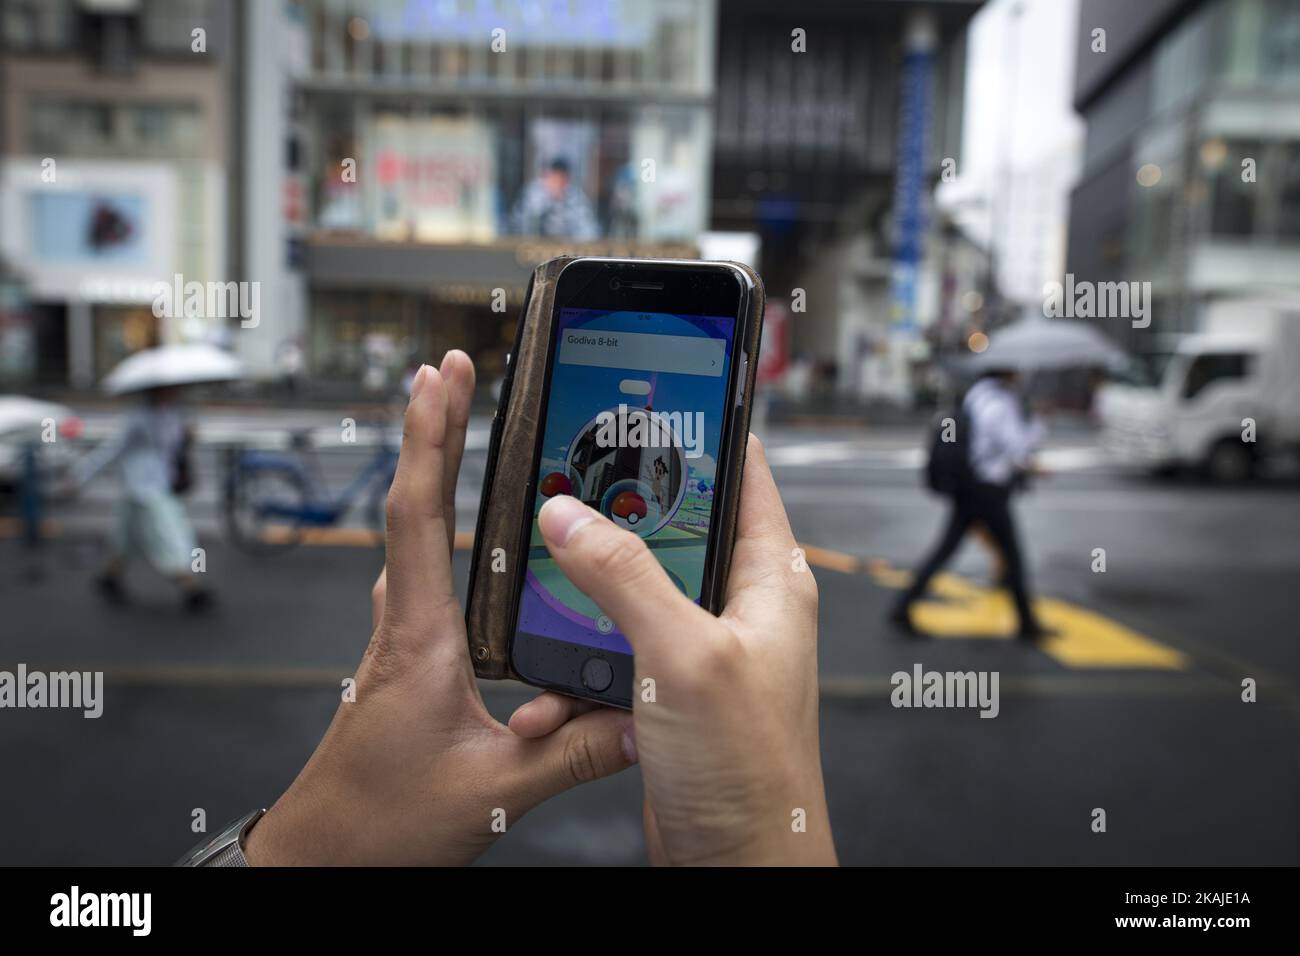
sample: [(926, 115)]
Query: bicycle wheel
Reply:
[(260, 503)]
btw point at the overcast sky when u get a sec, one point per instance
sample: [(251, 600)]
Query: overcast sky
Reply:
[(1021, 67)]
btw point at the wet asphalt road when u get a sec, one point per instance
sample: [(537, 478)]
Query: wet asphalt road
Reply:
[(1137, 710)]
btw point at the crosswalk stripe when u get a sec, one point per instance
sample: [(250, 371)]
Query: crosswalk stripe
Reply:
[(1084, 638)]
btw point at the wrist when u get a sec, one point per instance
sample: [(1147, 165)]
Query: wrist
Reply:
[(293, 834), (258, 844), (791, 827), (804, 837)]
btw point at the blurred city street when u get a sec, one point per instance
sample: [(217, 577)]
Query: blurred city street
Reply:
[(1135, 705), (1025, 271)]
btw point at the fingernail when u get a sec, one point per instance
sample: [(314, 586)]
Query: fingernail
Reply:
[(629, 744), (562, 516), (447, 359), (419, 381)]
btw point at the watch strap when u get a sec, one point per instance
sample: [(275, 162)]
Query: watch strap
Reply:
[(226, 848)]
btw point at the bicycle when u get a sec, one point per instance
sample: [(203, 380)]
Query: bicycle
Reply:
[(273, 499)]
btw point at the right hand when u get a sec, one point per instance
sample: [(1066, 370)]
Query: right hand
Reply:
[(729, 746)]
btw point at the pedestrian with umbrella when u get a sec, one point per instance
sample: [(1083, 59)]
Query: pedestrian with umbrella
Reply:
[(151, 451), (992, 452)]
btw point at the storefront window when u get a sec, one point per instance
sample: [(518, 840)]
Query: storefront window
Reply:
[(454, 161), (377, 337), (476, 177)]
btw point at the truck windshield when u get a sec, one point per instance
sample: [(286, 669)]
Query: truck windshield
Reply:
[(1214, 367)]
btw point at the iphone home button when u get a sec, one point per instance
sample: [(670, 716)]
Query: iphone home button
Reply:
[(597, 675)]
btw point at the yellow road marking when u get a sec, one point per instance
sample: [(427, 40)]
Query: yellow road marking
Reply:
[(324, 537), (350, 537), (831, 560), (1083, 638)]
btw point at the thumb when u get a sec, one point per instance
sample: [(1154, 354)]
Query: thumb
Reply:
[(587, 748), (615, 569)]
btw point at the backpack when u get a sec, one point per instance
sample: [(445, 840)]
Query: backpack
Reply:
[(948, 469)]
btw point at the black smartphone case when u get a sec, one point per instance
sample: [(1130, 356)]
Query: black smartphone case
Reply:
[(489, 610)]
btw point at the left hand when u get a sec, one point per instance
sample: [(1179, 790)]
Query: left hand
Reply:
[(416, 771)]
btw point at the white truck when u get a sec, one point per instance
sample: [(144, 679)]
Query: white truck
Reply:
[(1228, 397)]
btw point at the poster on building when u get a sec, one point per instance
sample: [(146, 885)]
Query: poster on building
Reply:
[(435, 179), (559, 193), (88, 227)]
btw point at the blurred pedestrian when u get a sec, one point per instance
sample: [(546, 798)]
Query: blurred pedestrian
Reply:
[(999, 443), (152, 450), (554, 207), (289, 362)]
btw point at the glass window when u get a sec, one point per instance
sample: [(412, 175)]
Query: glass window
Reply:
[(1279, 51), (1234, 204), (453, 176), (1208, 369), (99, 129), (606, 43), (1287, 205), (1183, 60), (169, 24), (37, 24)]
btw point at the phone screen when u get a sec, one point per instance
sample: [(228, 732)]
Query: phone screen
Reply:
[(633, 427)]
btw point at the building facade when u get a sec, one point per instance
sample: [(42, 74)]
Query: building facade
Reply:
[(833, 124), (114, 150), (1191, 175), (414, 148)]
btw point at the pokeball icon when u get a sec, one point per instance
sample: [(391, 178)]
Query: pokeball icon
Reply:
[(632, 506), (556, 483), (629, 506)]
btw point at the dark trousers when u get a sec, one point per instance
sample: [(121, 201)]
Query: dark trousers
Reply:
[(989, 505)]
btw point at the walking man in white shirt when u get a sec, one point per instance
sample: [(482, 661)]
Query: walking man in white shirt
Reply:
[(1000, 442)]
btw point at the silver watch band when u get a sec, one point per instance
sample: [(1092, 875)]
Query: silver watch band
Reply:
[(230, 856), (226, 848)]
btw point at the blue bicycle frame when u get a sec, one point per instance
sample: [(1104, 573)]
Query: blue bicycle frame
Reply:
[(320, 508)]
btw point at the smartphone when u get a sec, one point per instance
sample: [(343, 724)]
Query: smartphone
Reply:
[(644, 387)]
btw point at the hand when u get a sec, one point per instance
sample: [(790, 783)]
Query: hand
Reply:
[(729, 748), (416, 771)]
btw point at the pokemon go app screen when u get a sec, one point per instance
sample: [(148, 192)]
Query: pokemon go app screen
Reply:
[(633, 427)]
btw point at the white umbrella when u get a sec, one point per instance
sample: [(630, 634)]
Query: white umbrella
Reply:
[(173, 365), (1035, 344), (19, 412)]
